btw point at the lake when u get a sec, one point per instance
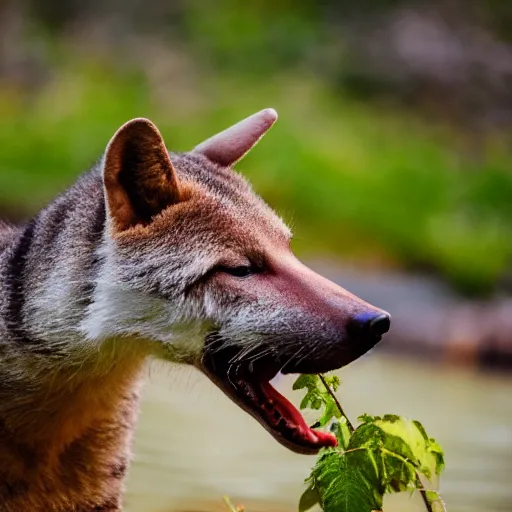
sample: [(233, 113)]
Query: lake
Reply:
[(193, 445)]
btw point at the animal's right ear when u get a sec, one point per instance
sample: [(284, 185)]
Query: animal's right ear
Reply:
[(139, 178)]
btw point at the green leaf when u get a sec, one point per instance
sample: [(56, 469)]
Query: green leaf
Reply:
[(367, 435), (398, 475), (401, 448), (425, 453), (366, 418), (342, 432), (347, 481), (384, 454), (332, 381), (309, 499), (330, 411), (435, 501), (317, 396), (438, 454), (305, 381)]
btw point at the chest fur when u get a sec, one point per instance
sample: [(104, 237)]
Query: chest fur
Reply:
[(70, 451)]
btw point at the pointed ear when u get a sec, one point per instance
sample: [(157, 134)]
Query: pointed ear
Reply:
[(138, 175), (229, 146)]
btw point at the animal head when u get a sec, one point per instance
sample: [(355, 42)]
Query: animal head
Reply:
[(200, 266)]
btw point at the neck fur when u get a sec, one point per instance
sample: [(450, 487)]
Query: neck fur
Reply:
[(68, 404), (66, 444)]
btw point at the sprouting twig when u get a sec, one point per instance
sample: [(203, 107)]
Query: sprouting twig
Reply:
[(336, 401), (419, 485), (231, 507), (423, 493)]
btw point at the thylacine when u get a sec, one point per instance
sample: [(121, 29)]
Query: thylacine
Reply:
[(152, 254)]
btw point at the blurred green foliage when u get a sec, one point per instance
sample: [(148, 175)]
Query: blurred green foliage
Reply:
[(370, 182), (357, 180)]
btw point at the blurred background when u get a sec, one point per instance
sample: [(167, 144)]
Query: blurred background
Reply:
[(392, 161)]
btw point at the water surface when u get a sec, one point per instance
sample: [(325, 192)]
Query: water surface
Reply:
[(193, 444)]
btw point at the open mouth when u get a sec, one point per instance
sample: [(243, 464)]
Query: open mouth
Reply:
[(247, 383)]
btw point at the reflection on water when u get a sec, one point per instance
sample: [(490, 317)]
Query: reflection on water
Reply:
[(193, 445)]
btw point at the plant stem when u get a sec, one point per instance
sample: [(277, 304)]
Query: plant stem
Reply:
[(425, 500), (338, 405), (230, 505), (423, 493), (418, 483)]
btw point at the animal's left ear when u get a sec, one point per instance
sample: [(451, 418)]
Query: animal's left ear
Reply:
[(138, 175), (228, 147)]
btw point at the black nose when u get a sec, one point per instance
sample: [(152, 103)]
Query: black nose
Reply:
[(375, 325), (379, 325)]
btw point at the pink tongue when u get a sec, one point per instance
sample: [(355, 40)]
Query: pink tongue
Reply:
[(294, 419)]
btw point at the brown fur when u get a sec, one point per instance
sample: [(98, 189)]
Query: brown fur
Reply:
[(71, 454), (65, 439), (139, 259)]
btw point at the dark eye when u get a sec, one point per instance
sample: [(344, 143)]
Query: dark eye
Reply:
[(242, 271)]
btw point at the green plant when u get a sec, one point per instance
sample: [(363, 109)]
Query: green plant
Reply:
[(382, 455), (359, 183)]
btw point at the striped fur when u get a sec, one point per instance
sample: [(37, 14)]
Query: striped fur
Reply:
[(119, 268)]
